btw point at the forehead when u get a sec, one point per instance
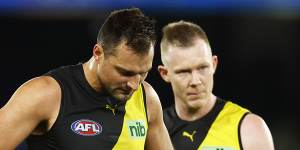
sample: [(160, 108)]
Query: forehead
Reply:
[(128, 59), (196, 54)]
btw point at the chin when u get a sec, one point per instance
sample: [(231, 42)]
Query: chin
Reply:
[(195, 107), (119, 98), (196, 104), (122, 97)]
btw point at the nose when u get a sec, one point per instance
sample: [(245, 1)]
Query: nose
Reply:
[(134, 82), (196, 79)]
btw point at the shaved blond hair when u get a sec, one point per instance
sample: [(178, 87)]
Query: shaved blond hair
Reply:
[(180, 34)]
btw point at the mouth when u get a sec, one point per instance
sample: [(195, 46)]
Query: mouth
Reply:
[(125, 92), (195, 95), (122, 94)]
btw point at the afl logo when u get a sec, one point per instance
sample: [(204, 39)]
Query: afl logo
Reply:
[(86, 127)]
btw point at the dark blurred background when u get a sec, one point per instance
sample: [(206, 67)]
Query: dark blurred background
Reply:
[(257, 42)]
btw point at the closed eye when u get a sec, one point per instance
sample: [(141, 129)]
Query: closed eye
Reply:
[(203, 67), (129, 73), (125, 72)]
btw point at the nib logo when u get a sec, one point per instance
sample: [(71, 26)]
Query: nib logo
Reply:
[(137, 129)]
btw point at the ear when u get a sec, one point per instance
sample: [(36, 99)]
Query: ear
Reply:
[(98, 52), (215, 62), (163, 71)]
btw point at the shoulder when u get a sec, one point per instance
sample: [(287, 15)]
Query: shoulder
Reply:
[(255, 133), (152, 101), (252, 123), (38, 94), (232, 109), (44, 86), (150, 92), (33, 102), (253, 120), (151, 95)]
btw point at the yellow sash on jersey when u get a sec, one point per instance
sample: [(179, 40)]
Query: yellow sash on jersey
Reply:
[(135, 124), (223, 134)]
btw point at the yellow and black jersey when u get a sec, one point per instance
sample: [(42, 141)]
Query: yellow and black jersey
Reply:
[(218, 130), (89, 120)]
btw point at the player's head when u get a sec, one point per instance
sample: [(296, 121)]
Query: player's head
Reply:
[(129, 25), (124, 51), (188, 63)]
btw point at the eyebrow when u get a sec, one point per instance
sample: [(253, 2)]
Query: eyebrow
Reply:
[(183, 69), (124, 71), (130, 72)]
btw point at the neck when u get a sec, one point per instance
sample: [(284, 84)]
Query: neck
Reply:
[(188, 113), (90, 72)]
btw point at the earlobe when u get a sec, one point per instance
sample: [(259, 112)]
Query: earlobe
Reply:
[(163, 71), (215, 62), (97, 52)]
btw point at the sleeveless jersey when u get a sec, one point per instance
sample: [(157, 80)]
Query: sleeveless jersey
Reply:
[(218, 130), (89, 120)]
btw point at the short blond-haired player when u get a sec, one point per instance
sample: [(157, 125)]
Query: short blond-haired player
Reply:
[(199, 119)]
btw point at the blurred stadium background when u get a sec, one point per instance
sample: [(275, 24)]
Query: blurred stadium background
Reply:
[(257, 42)]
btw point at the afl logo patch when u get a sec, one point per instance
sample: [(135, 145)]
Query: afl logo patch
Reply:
[(86, 127)]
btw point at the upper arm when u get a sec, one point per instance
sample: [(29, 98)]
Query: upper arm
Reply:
[(29, 105), (157, 135), (255, 134)]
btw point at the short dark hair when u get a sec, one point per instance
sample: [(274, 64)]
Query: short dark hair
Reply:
[(129, 25)]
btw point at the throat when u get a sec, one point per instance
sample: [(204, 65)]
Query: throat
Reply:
[(190, 114), (187, 113)]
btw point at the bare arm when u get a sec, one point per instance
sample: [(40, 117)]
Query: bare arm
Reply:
[(30, 104), (255, 134), (157, 136)]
